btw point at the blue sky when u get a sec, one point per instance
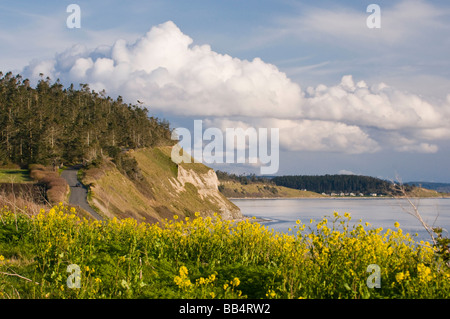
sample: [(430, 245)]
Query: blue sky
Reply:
[(345, 97)]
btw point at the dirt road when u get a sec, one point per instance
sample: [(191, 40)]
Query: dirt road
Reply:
[(78, 192)]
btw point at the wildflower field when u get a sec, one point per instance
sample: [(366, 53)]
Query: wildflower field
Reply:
[(55, 254)]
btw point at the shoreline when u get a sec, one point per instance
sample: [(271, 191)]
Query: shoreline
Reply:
[(339, 197)]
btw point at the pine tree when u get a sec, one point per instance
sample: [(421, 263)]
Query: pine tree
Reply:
[(49, 124)]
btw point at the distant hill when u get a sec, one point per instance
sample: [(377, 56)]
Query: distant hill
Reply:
[(233, 189), (440, 187), (292, 186), (337, 184), (252, 186)]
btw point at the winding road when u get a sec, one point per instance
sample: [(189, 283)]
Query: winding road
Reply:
[(78, 194)]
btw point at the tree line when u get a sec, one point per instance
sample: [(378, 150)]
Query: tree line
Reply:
[(242, 179), (328, 184), (50, 124), (338, 183)]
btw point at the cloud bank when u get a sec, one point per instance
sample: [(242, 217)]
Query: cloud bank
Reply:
[(167, 71)]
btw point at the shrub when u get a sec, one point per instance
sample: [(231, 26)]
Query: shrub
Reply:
[(212, 258), (57, 187)]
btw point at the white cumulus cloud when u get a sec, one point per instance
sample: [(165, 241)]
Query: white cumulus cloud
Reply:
[(164, 69), (167, 71)]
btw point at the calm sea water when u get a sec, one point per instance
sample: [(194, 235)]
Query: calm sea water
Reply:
[(281, 214)]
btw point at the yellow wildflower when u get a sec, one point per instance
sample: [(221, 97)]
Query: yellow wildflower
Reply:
[(201, 281), (424, 272), (183, 271), (400, 276)]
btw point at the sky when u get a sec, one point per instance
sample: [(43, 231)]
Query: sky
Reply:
[(346, 98)]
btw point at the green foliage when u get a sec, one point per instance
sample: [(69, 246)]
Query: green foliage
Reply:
[(243, 179), (337, 183), (211, 258), (51, 125), (125, 163), (442, 246), (14, 175)]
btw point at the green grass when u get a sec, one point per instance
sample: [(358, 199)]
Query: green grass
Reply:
[(15, 176), (233, 189), (161, 173), (158, 196)]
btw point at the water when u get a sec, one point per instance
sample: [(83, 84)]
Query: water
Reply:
[(282, 214)]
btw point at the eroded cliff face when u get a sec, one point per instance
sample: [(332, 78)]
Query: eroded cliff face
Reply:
[(207, 185), (166, 189), (205, 182)]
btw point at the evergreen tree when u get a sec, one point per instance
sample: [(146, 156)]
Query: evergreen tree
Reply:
[(50, 124)]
